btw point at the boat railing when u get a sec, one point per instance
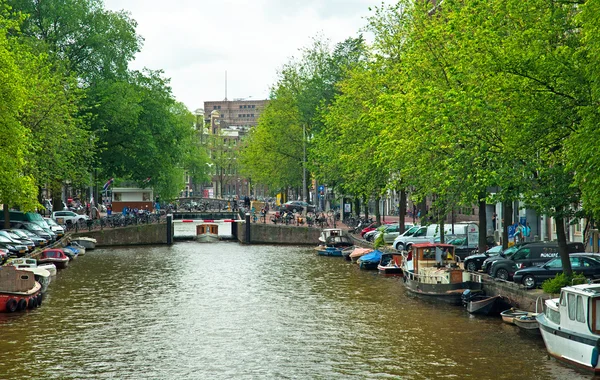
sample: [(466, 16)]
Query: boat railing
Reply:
[(476, 277), (420, 278)]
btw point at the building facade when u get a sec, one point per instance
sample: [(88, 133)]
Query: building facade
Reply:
[(239, 113)]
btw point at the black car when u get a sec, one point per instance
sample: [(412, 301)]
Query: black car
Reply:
[(18, 240), (34, 228), (486, 266), (586, 263), (297, 206), (529, 255), (473, 263)]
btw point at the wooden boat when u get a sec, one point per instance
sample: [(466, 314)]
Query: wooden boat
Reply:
[(570, 326), (431, 271), (87, 242), (54, 256), (482, 304), (18, 290), (358, 252), (528, 323), (207, 232), (509, 315), (390, 264)]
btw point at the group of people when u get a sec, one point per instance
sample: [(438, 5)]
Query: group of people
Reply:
[(522, 232)]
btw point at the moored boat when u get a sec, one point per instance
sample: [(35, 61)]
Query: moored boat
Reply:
[(18, 290), (431, 271), (370, 261), (390, 264), (327, 232), (71, 252), (478, 303), (509, 315), (87, 242), (207, 232), (570, 326), (329, 251), (358, 252), (528, 323), (334, 246), (54, 256)]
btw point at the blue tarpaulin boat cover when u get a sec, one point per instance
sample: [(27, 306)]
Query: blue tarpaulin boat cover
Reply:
[(374, 256)]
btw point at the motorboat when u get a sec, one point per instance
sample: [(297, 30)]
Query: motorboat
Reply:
[(479, 303), (54, 256), (334, 245), (570, 326), (528, 323), (370, 261), (358, 252), (509, 315), (390, 264), (77, 246), (26, 262), (329, 251), (207, 232), (87, 242), (18, 290), (431, 271), (327, 232), (71, 252)]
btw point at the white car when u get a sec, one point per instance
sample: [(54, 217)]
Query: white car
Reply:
[(64, 217), (55, 227)]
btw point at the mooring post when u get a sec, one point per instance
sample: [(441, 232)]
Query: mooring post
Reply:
[(169, 229), (247, 228)]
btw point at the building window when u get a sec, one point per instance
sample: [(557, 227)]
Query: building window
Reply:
[(218, 107), (253, 106), (117, 197), (251, 115), (240, 107)]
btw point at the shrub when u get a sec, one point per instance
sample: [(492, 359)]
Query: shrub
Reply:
[(553, 285), (379, 241)]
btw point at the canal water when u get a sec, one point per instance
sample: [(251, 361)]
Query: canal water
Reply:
[(228, 311)]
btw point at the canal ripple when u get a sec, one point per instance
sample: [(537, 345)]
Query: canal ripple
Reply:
[(228, 311)]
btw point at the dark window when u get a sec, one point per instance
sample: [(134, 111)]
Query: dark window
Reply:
[(240, 107), (251, 115)]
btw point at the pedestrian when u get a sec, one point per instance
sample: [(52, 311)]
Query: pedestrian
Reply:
[(526, 232), (494, 220), (518, 233)]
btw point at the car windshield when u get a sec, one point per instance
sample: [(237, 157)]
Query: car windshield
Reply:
[(12, 235), (33, 227), (28, 233), (4, 239), (19, 233), (51, 222), (494, 250)]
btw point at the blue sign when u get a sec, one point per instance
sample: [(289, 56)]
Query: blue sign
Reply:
[(321, 188)]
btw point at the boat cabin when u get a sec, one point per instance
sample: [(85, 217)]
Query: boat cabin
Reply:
[(434, 263), (339, 241), (13, 280), (327, 232), (22, 262), (578, 309), (53, 254), (203, 229)]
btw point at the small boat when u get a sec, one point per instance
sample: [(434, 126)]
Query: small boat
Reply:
[(87, 242), (570, 326), (54, 256), (329, 251), (347, 251), (327, 232), (528, 323), (18, 290), (358, 252), (479, 303), (207, 232), (370, 261), (390, 264), (26, 262), (77, 246), (334, 246), (71, 252), (431, 271), (509, 315)]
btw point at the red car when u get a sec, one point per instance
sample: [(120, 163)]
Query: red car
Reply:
[(370, 227)]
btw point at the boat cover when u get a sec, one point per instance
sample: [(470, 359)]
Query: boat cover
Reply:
[(374, 256), (360, 252)]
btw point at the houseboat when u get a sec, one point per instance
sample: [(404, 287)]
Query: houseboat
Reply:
[(431, 271)]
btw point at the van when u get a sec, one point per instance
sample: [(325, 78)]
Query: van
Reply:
[(529, 255), (427, 234)]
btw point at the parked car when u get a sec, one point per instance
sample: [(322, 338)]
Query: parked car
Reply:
[(34, 228), (18, 240), (369, 228), (586, 263), (474, 262), (408, 232), (38, 241), (297, 206), (486, 266), (391, 232), (529, 255), (14, 249), (55, 227), (370, 236), (64, 217), (427, 234)]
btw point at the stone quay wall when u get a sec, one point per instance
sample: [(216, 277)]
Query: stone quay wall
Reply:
[(143, 234), (278, 234)]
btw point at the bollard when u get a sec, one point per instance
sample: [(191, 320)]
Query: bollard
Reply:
[(247, 228), (169, 229)]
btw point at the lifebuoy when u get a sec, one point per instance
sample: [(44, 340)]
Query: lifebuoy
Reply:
[(22, 304), (32, 303), (11, 305)]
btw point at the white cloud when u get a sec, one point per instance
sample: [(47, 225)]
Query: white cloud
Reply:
[(195, 42)]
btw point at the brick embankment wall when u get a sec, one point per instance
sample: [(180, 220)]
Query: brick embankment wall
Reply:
[(518, 296), (144, 234), (279, 234)]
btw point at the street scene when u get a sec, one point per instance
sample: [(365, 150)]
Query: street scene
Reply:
[(396, 189)]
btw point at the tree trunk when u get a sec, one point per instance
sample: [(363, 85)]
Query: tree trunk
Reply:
[(366, 206), (482, 244), (6, 216), (402, 211), (423, 209), (442, 228), (506, 221), (562, 246), (357, 207), (377, 211)]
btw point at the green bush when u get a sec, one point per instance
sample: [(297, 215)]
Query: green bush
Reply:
[(379, 241), (553, 285)]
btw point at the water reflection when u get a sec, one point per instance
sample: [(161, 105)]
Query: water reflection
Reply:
[(224, 311)]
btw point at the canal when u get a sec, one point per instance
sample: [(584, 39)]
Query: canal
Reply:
[(228, 311)]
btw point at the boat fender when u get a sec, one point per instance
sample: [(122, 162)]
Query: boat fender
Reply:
[(595, 351), (11, 305), (40, 298), (22, 305), (32, 303)]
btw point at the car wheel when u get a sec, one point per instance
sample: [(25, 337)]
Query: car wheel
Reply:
[(529, 281), (471, 266), (502, 274)]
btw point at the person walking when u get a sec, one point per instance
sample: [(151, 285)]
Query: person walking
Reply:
[(526, 232)]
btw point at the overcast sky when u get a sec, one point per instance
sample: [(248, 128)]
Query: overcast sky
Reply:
[(196, 41)]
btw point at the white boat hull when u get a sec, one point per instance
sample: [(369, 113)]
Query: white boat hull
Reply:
[(207, 238), (87, 243)]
